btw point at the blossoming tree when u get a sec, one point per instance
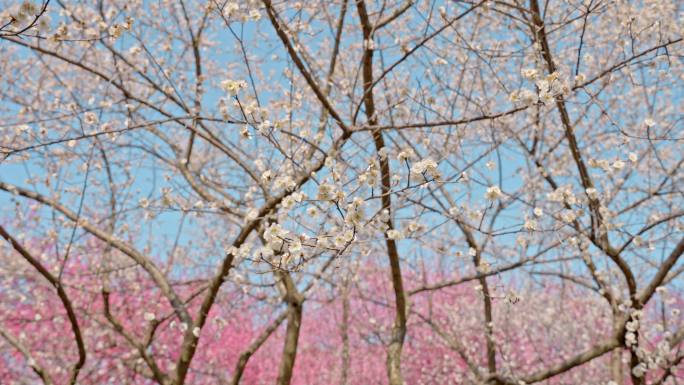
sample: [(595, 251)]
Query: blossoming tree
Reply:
[(342, 192)]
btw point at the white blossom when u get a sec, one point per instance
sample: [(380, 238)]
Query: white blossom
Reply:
[(529, 73), (90, 118), (405, 154), (633, 157), (530, 225), (394, 234), (592, 193), (493, 193), (232, 87), (639, 370), (326, 192), (427, 166)]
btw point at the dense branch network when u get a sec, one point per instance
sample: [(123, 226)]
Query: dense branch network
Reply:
[(348, 191)]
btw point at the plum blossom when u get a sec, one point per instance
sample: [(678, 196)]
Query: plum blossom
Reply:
[(493, 193), (232, 87), (427, 166)]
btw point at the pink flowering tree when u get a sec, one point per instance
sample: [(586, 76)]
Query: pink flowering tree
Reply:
[(341, 192)]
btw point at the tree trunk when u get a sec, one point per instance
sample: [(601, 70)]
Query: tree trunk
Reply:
[(294, 301)]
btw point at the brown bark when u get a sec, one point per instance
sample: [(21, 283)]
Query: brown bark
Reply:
[(295, 301), (399, 327), (253, 347), (37, 368), (66, 302), (598, 235), (346, 358)]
